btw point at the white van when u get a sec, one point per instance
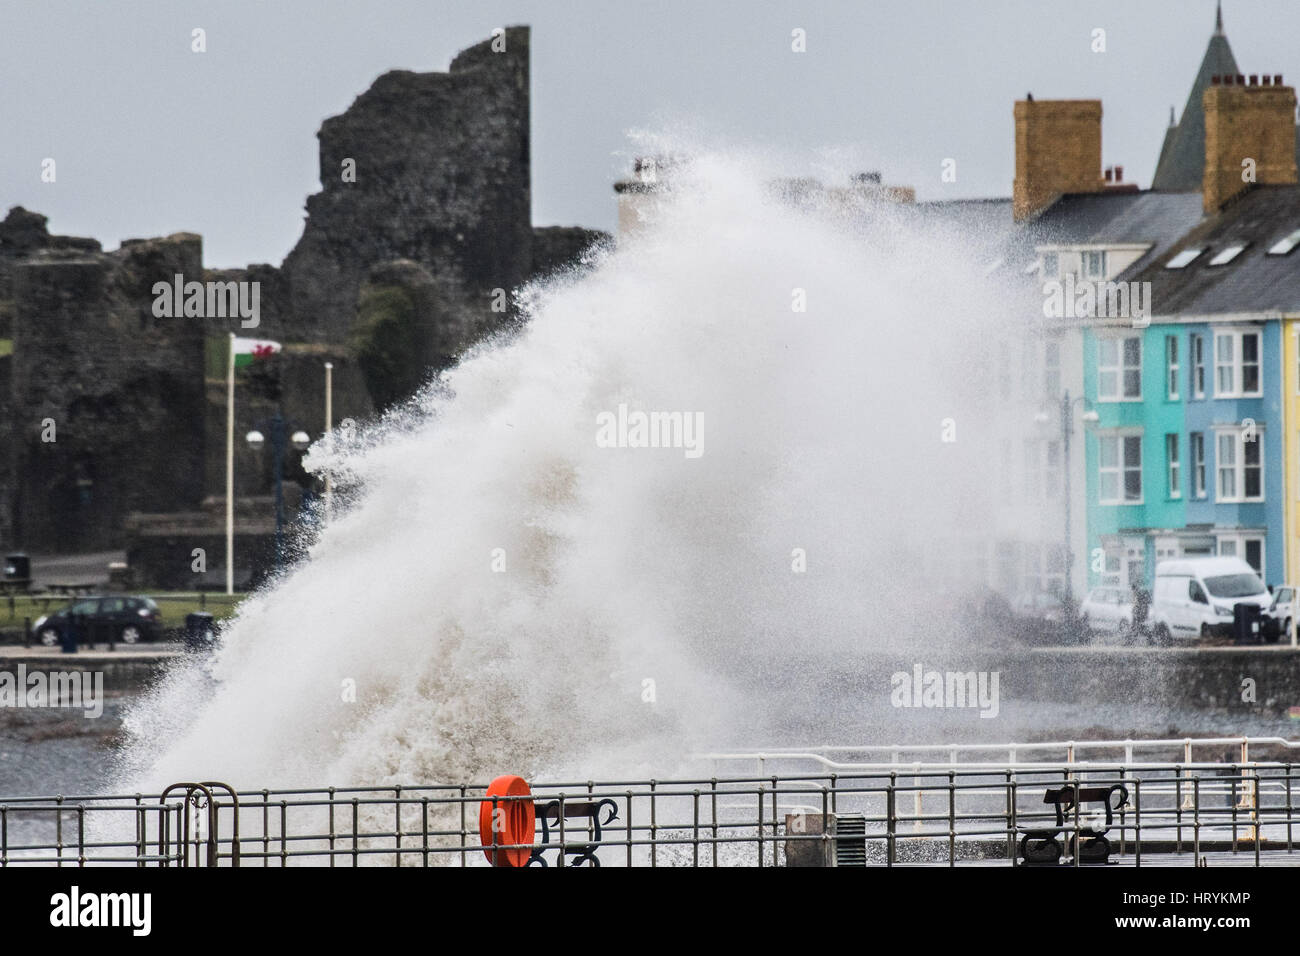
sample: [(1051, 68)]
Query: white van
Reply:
[(1195, 597)]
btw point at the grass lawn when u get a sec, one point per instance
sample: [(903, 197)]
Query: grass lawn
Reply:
[(174, 605)]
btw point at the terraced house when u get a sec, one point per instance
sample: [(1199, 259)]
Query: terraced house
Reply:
[(1182, 404), (1194, 447), (1149, 407)]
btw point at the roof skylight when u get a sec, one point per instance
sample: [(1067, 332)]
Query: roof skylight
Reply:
[(1224, 256), (1183, 259), (1285, 244)]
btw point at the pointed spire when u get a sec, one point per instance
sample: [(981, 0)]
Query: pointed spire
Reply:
[(1181, 165), (1171, 115)]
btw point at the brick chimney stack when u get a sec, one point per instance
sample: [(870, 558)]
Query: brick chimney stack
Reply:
[(1058, 150), (1247, 120)]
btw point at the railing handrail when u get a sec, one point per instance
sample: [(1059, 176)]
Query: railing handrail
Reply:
[(1035, 745), (1231, 805), (821, 753)]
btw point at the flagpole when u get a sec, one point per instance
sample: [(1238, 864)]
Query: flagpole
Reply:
[(329, 427), (230, 469)]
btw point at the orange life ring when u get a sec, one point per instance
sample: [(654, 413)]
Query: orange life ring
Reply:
[(516, 821)]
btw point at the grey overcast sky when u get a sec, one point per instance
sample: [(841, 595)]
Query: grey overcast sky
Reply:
[(150, 138)]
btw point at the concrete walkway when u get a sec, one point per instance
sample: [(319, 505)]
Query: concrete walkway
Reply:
[(147, 652)]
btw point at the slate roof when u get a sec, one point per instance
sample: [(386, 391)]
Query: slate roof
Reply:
[(1169, 217), (985, 224), (1181, 166), (1113, 216), (1252, 282)]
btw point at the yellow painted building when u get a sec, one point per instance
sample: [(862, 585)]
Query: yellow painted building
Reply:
[(1291, 440)]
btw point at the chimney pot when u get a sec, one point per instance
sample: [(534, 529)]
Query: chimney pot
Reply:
[(1215, 80), (1109, 173), (1241, 80), (1119, 174), (1254, 79), (1277, 79)]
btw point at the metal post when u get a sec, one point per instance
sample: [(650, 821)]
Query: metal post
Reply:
[(230, 468), (329, 427), (891, 819), (1067, 426), (1137, 823), (277, 448)]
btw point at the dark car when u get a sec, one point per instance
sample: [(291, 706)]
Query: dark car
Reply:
[(128, 619)]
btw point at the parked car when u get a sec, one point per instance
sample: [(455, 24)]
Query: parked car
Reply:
[(1195, 597), (1108, 610), (128, 618), (1279, 617)]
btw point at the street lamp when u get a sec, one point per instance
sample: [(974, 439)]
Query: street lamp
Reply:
[(256, 441), (1089, 417), (329, 427)]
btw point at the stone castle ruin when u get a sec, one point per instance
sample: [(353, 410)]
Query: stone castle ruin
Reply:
[(112, 419)]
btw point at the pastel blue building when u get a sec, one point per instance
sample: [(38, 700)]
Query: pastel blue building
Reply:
[(1183, 458)]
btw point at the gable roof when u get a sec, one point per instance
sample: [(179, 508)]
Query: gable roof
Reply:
[(1157, 218), (1105, 218), (983, 223), (1253, 281)]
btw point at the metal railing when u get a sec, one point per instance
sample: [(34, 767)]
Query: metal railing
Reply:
[(1229, 813), (1176, 752)]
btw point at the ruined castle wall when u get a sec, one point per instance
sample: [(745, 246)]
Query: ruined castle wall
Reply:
[(122, 388), (557, 248), (23, 234), (440, 205), (442, 178)]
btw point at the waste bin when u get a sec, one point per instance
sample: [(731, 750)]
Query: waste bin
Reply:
[(200, 630), (1246, 627), (18, 568)]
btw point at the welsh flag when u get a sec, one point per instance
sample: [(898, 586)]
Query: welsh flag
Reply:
[(248, 351)]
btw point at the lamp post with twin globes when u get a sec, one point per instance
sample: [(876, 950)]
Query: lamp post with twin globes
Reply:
[(300, 440)]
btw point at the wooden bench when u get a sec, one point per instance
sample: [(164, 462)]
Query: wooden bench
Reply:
[(597, 813), (1040, 847)]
